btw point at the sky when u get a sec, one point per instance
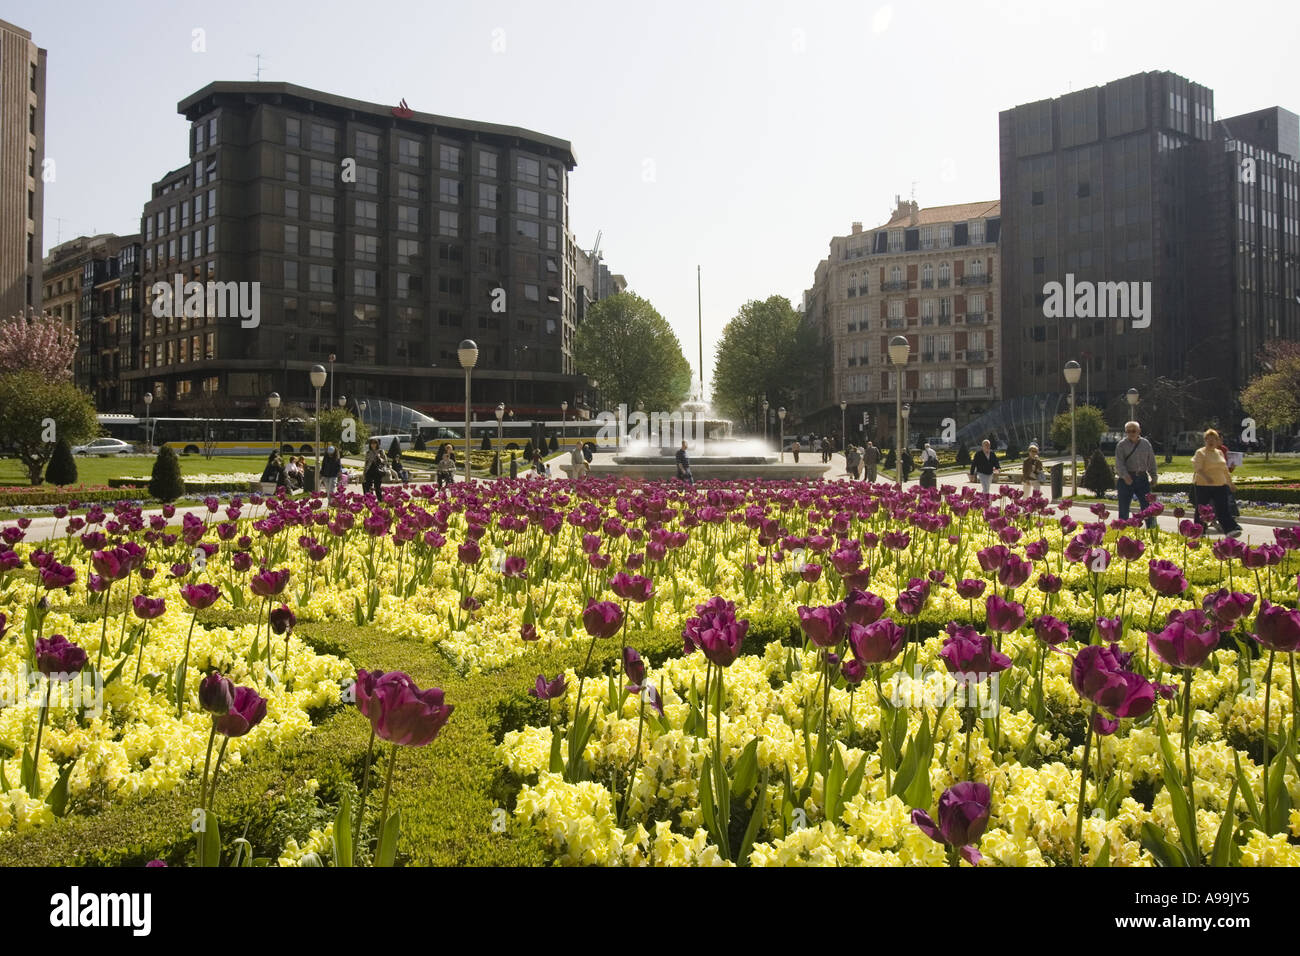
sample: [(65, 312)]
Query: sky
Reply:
[(739, 137)]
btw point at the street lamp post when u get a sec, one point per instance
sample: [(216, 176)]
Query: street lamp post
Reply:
[(1072, 372), (500, 413), (898, 352), (1131, 396), (273, 402), (148, 426), (564, 422), (467, 352), (765, 406), (318, 376), (907, 413), (1042, 421), (331, 377), (780, 441), (844, 435)]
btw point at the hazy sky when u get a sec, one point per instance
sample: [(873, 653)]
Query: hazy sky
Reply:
[(740, 136)]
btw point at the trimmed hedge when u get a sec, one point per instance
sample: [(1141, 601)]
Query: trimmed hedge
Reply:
[(49, 496)]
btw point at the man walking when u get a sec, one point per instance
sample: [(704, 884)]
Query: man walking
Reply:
[(1135, 471), (871, 459), (684, 466)]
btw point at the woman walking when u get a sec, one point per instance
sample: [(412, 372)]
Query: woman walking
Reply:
[(984, 465), (1213, 482), (1031, 472), (445, 464), (330, 467), (372, 475)]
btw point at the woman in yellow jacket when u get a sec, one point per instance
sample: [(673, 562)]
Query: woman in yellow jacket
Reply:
[(1213, 481)]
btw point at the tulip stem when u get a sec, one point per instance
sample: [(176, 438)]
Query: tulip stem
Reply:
[(1083, 784), (185, 663), (103, 629), (1268, 693), (139, 657), (216, 773), (577, 705), (388, 786), (207, 762), (365, 788), (636, 757), (1187, 761), (34, 789)]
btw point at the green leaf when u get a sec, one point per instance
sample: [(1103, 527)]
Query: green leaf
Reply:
[(557, 756), (1165, 852), (342, 833), (210, 836), (706, 799), (854, 782), (1278, 797), (745, 771), (1248, 793), (28, 773), (244, 853), (1178, 798), (1223, 841), (5, 785), (359, 617), (755, 821), (58, 796), (386, 852), (919, 792), (1103, 858), (612, 701), (899, 729), (833, 784), (180, 686)]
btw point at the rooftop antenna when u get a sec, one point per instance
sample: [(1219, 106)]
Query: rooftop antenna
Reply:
[(258, 75)]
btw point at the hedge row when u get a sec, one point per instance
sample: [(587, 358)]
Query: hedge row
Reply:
[(54, 496), (1245, 491), (447, 792)]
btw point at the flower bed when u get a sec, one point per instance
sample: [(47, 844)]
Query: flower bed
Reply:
[(833, 739)]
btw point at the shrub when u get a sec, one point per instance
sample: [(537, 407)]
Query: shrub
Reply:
[(1099, 477), (963, 455), (486, 443), (1013, 450), (890, 461), (553, 445), (166, 483), (62, 469), (419, 443)]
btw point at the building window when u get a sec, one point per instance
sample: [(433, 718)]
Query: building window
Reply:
[(528, 230), (1036, 198), (528, 170), (449, 252), (321, 243), (552, 207), (408, 186), (408, 218), (367, 145), (367, 180), (532, 292), (449, 157), (977, 267), (945, 275), (975, 231), (448, 223), (945, 237), (171, 213), (320, 278), (528, 201), (408, 252), (488, 195), (896, 240), (364, 281), (978, 378), (409, 285), (324, 139), (487, 163), (290, 274), (212, 203), (487, 225), (451, 285), (322, 208), (365, 313), (927, 276), (366, 248), (927, 237), (366, 213)]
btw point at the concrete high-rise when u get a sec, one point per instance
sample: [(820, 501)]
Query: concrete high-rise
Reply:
[(22, 164)]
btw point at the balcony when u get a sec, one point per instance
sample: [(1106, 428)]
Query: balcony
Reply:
[(944, 283), (945, 356), (927, 356), (975, 318), (977, 393), (927, 320), (945, 320), (895, 323), (981, 279), (900, 286), (976, 355), (927, 283)]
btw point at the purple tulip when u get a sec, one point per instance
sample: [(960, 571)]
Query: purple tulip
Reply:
[(1227, 608), (200, 596), (1103, 725), (1004, 616), (147, 608), (269, 583), (971, 588), (715, 631), (9, 561), (1100, 674), (602, 618), (1048, 583), (469, 552), (632, 587), (216, 693), (992, 558), (58, 658), (529, 632), (1050, 630), (1037, 550), (1111, 629), (549, 690), (283, 620), (407, 715), (966, 651), (853, 670), (633, 666), (1014, 572), (964, 810), (863, 607), (366, 689), (1166, 578), (824, 626), (1181, 647), (1129, 549), (55, 575), (911, 601), (515, 567), (247, 708), (1277, 628), (878, 642)]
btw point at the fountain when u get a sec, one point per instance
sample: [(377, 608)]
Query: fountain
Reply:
[(648, 446)]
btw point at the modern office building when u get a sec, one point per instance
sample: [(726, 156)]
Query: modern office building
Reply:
[(22, 169), (375, 234), (92, 284), (1135, 244), (928, 274)]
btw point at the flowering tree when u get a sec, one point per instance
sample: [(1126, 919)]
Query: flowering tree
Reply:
[(41, 344), (35, 412)]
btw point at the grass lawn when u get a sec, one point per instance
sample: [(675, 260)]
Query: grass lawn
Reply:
[(97, 471)]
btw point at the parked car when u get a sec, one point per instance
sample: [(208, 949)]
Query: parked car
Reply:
[(104, 447)]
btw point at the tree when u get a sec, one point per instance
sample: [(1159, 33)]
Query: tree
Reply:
[(1273, 397), (766, 350), (165, 484), (1099, 477), (333, 423), (62, 469), (42, 344), (419, 442), (631, 350), (394, 448), (35, 412), (963, 455), (1167, 405), (1089, 423)]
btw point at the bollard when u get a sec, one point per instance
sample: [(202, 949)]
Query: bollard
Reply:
[(1058, 481)]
